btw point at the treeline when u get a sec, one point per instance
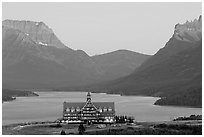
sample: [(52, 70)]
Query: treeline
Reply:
[(7, 98), (10, 94), (124, 119), (192, 117), (190, 98)]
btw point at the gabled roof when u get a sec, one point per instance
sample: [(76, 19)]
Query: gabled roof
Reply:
[(104, 104), (82, 104), (74, 104)]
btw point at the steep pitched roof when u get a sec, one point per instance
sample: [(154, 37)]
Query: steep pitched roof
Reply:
[(96, 104), (104, 104), (74, 104)]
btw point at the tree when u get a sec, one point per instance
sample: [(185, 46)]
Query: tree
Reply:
[(81, 129), (63, 132), (130, 119)]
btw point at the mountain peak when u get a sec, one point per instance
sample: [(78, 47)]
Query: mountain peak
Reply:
[(25, 25), (200, 18), (189, 31), (38, 32)]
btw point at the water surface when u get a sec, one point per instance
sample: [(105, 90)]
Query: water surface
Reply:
[(49, 105)]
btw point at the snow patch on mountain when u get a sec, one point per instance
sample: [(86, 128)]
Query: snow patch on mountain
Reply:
[(41, 43), (35, 31)]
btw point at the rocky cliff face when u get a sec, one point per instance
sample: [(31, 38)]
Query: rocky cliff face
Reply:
[(38, 32), (33, 57), (189, 31), (185, 36)]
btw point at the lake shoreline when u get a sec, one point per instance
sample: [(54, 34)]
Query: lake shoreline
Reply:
[(9, 95), (139, 95), (122, 103)]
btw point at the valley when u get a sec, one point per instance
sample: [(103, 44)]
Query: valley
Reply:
[(34, 58)]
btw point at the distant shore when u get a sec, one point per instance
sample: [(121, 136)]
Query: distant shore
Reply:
[(158, 102), (10, 95)]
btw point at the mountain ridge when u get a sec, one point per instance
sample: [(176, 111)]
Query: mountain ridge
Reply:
[(39, 32), (26, 63), (173, 72)]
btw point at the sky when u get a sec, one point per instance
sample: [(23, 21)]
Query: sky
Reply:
[(101, 27)]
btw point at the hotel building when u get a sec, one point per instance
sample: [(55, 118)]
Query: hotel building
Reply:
[(89, 112)]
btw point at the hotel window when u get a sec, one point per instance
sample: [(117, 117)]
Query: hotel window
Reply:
[(91, 108), (109, 109), (87, 109)]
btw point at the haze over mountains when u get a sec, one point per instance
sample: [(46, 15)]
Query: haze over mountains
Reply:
[(174, 72), (33, 57)]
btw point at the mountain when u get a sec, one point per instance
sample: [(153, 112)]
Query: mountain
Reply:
[(28, 64), (184, 37), (33, 57), (119, 63), (173, 73), (37, 32), (190, 31)]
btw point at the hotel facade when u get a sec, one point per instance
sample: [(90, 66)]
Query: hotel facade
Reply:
[(89, 112)]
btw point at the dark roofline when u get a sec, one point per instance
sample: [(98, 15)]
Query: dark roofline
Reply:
[(85, 102), (97, 104)]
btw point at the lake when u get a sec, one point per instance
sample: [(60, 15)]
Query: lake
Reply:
[(48, 106)]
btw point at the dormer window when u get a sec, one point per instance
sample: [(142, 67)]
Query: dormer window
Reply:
[(72, 110), (100, 109), (77, 109), (104, 109), (109, 109), (67, 110)]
